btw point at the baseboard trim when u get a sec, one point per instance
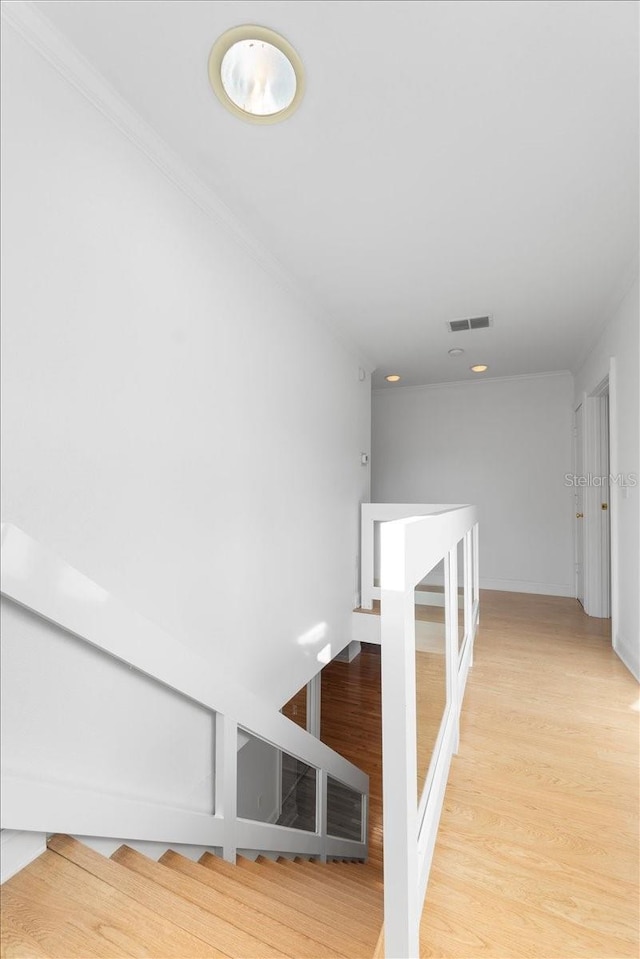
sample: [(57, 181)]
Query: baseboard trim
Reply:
[(624, 655), (513, 586), (524, 586), (18, 849)]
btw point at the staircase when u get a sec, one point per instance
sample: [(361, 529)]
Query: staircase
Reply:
[(73, 902)]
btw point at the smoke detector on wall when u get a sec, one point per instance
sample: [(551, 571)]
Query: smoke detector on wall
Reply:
[(470, 323)]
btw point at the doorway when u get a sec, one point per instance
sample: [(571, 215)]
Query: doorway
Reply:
[(592, 503), (578, 498)]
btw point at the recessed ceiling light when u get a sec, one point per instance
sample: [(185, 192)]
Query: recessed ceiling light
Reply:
[(392, 378), (256, 74), (480, 368), (456, 352)]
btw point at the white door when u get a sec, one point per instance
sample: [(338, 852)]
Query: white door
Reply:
[(578, 491), (605, 508)]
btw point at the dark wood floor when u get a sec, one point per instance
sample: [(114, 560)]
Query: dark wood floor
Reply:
[(352, 725), (352, 718)]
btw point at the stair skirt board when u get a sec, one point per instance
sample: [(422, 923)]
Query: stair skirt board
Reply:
[(17, 849), (75, 902)]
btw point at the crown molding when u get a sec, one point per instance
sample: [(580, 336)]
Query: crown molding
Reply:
[(473, 383), (73, 67)]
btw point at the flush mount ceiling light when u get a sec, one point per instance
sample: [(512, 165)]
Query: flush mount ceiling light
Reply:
[(456, 352), (392, 378), (480, 368), (256, 74)]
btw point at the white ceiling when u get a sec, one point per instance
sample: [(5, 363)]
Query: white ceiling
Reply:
[(449, 159)]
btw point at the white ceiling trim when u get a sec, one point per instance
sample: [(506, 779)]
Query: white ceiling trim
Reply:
[(475, 382), (40, 34)]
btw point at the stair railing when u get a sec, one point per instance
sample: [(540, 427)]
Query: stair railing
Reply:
[(36, 579), (410, 548), (372, 514)]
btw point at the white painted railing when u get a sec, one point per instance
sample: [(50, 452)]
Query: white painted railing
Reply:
[(372, 514), (410, 548), (41, 582)]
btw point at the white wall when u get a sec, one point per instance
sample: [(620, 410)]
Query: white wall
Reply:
[(175, 426), (501, 444), (75, 717), (619, 341)]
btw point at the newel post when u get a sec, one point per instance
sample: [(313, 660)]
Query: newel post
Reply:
[(399, 763), (226, 781)]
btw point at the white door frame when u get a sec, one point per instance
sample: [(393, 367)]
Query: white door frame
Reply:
[(600, 538), (578, 502), (614, 494)]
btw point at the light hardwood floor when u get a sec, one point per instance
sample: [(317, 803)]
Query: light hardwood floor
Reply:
[(537, 854)]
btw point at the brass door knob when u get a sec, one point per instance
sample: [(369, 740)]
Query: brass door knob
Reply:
[(579, 515)]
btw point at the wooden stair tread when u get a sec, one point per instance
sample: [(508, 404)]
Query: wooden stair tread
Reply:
[(322, 909), (234, 939), (71, 913), (35, 923), (330, 939), (73, 903), (325, 874), (268, 935), (148, 893), (304, 937), (17, 942), (346, 902), (359, 872)]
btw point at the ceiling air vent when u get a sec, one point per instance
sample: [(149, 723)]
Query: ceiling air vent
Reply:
[(473, 323)]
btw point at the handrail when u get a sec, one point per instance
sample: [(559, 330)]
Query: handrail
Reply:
[(372, 513), (410, 547), (35, 578)]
